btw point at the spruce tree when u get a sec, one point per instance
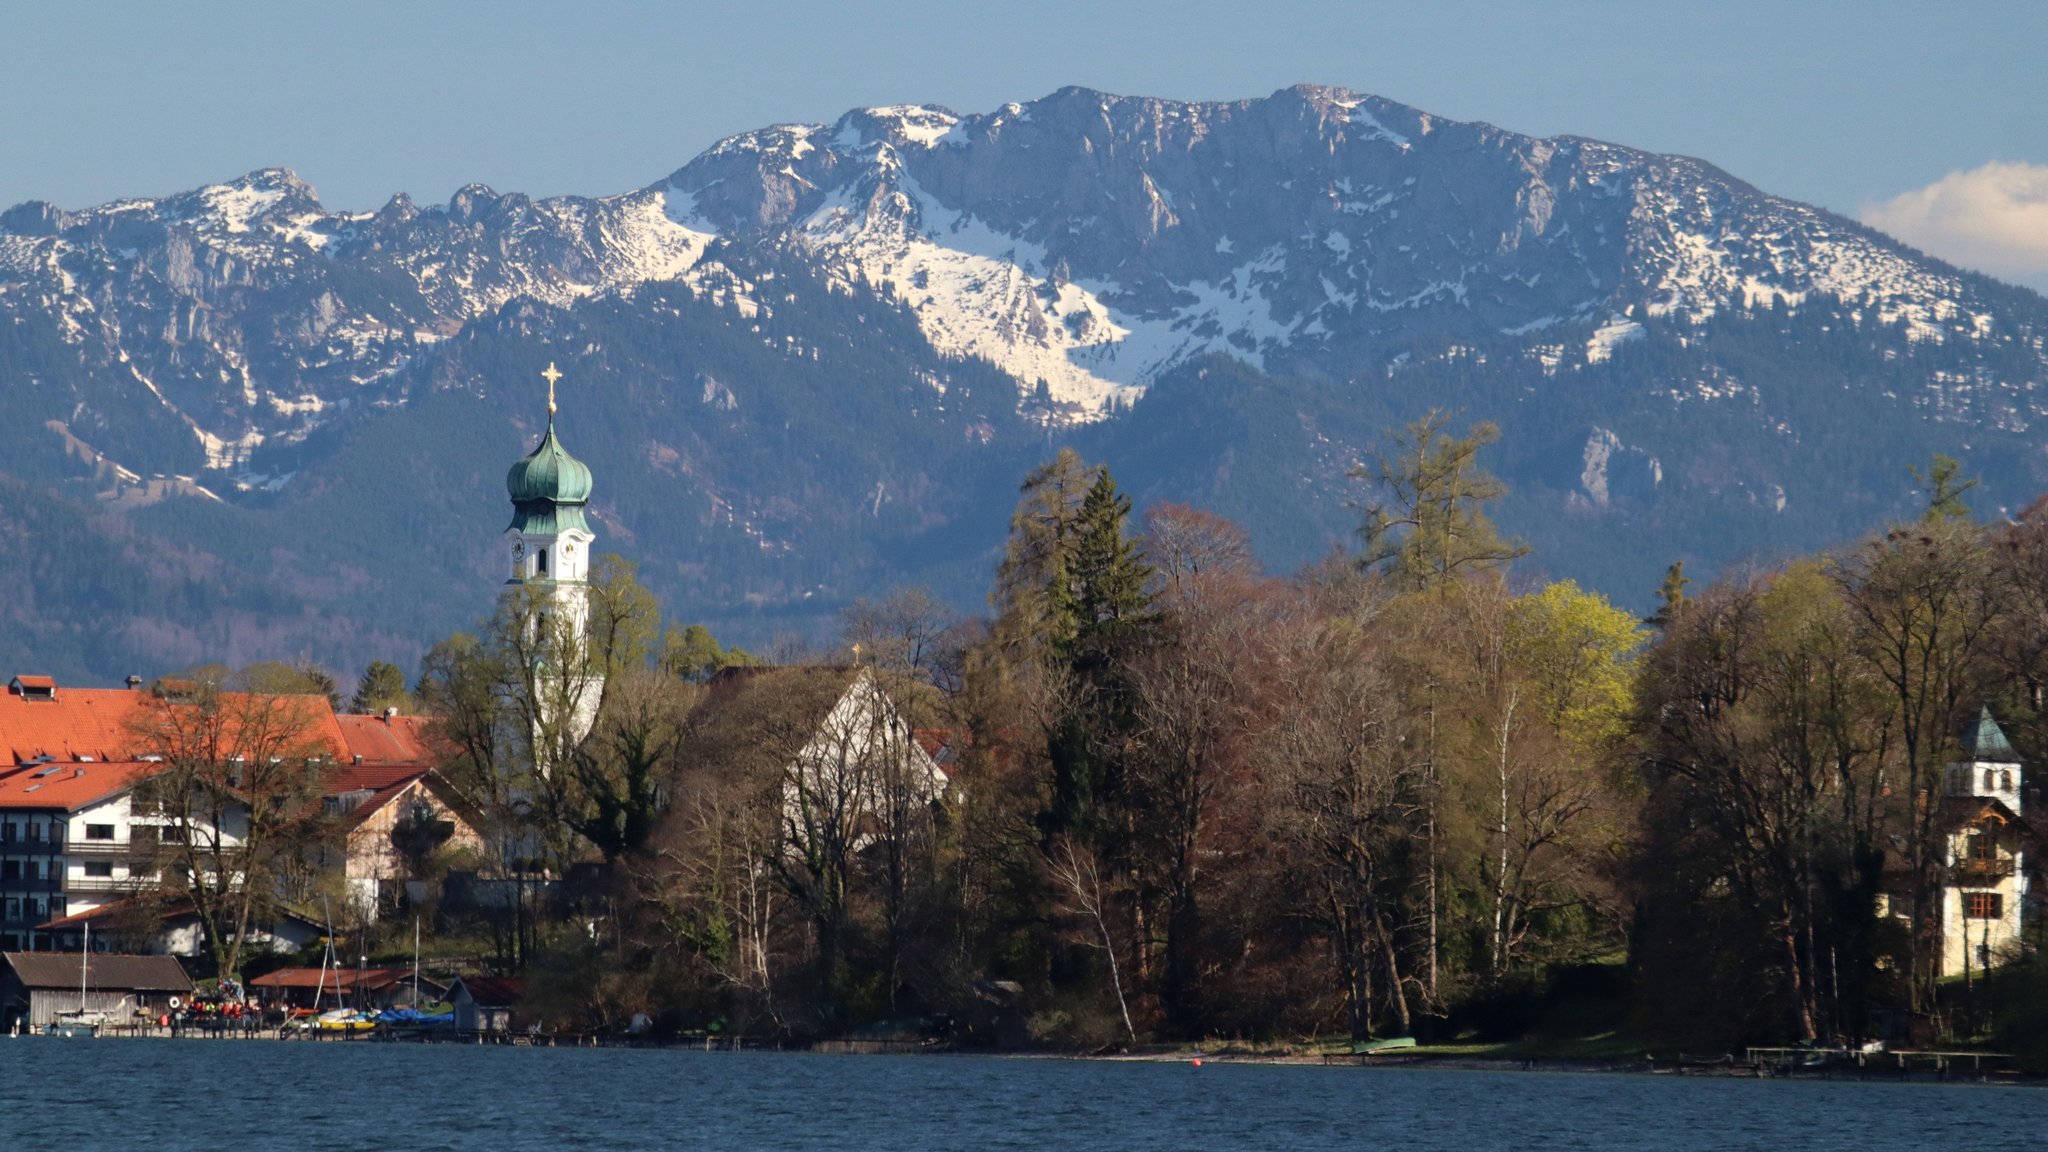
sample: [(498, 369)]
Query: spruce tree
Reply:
[(382, 686)]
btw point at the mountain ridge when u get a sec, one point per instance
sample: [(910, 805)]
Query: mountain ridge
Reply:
[(1683, 365)]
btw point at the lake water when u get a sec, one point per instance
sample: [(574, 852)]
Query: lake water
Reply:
[(174, 1096)]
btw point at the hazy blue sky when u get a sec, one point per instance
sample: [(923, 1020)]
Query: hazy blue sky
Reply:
[(1862, 107)]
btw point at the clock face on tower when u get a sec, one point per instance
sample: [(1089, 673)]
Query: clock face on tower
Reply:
[(518, 551)]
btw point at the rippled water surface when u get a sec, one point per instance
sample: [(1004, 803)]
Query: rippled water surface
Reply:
[(200, 1095)]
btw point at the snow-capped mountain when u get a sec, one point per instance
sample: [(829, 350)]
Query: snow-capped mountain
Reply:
[(1225, 300)]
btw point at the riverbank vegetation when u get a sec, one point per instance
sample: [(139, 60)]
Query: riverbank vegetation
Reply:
[(1410, 790)]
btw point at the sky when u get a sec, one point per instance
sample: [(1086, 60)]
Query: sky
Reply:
[(1929, 120)]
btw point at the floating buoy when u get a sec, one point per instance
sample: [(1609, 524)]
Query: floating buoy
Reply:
[(1198, 1061)]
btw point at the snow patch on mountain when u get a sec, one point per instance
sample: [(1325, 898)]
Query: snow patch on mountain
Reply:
[(977, 291), (1617, 331)]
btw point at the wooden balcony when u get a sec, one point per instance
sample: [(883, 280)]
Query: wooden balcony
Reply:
[(1974, 870)]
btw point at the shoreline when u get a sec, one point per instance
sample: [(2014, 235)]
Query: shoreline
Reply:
[(1895, 1067)]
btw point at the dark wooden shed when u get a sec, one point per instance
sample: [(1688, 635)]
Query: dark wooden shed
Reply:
[(36, 986)]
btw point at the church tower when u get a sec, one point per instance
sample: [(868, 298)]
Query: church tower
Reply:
[(1987, 768), (551, 542)]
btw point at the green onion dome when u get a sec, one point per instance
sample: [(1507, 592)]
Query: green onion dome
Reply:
[(549, 488)]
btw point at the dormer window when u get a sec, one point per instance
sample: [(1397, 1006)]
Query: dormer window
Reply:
[(33, 687)]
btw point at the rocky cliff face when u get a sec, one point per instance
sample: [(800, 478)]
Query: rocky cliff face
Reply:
[(1265, 284)]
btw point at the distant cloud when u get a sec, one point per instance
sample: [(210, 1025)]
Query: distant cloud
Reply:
[(1993, 218)]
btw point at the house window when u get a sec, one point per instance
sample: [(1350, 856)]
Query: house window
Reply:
[(1982, 850), (102, 869), (35, 831), (58, 904), (10, 869), (14, 907), (99, 831), (1983, 906)]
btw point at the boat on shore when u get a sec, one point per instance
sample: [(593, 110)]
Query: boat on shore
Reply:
[(75, 1025)]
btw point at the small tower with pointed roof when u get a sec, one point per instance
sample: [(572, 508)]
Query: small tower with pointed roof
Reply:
[(1986, 767)]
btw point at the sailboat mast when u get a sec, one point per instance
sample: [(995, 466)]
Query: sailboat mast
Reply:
[(326, 955), (84, 954)]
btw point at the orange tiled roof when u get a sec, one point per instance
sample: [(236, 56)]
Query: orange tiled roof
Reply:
[(392, 740), (75, 724), (70, 787), (86, 724)]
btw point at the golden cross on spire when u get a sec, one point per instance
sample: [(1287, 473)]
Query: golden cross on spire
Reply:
[(551, 375)]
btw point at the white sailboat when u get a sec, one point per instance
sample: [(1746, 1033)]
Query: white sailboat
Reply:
[(81, 1022)]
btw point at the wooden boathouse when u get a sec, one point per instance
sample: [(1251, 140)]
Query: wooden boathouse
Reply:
[(36, 986)]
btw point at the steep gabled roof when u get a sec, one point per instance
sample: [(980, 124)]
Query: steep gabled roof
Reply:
[(767, 714)]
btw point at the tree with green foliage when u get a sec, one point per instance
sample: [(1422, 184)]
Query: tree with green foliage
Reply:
[(621, 778), (277, 678), (1671, 598), (1426, 520), (694, 654), (1104, 595), (382, 686), (1944, 485), (1578, 650), (1031, 580)]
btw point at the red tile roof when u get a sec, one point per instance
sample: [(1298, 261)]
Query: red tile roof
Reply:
[(384, 782), (81, 746), (70, 787), (394, 739), (78, 723), (88, 724), (342, 978), (495, 991)]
